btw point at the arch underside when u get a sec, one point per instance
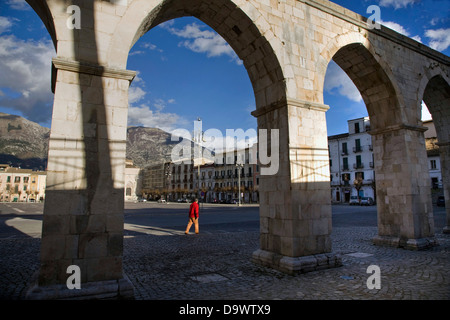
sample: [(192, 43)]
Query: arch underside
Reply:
[(437, 99), (42, 10), (241, 34), (373, 83)]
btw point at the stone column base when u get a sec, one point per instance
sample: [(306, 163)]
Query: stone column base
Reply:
[(296, 265), (100, 290), (409, 244)]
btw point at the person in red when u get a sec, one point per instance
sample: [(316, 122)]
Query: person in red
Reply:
[(193, 217)]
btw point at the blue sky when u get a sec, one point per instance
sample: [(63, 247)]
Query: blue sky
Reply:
[(185, 70)]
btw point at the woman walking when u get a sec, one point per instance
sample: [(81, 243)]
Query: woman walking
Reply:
[(193, 217)]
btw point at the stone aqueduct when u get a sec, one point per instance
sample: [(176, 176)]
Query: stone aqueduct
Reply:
[(285, 46)]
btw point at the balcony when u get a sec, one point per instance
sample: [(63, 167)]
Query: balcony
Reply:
[(335, 183), (357, 149), (358, 165)]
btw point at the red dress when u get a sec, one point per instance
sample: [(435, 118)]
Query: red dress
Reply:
[(193, 210)]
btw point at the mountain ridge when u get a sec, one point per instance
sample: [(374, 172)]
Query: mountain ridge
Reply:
[(24, 143)]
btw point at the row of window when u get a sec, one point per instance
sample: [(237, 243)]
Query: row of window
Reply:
[(358, 165), (16, 188), (346, 178), (17, 179), (248, 184), (357, 148)]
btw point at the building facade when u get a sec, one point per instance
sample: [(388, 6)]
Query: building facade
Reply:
[(352, 161), (237, 173), (180, 178), (216, 181), (434, 160), (133, 181), (21, 185)]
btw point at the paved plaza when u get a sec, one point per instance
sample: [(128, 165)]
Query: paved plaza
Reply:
[(216, 265)]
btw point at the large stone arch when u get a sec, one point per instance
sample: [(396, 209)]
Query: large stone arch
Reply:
[(357, 57), (243, 27), (436, 95), (392, 129)]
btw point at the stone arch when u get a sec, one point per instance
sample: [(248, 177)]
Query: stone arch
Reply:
[(434, 90), (436, 95), (372, 76), (246, 32), (43, 11), (398, 144)]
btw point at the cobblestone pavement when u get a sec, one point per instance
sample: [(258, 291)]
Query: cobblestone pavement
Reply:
[(217, 266)]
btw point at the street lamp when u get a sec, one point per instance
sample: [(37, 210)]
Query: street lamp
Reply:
[(168, 175), (198, 138), (239, 166)]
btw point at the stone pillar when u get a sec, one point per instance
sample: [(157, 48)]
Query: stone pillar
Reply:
[(83, 212), (444, 153), (405, 213), (295, 203)]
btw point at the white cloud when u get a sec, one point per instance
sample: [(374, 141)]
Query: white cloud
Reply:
[(400, 29), (5, 24), (151, 46), (143, 115), (235, 140), (18, 4), (440, 38), (397, 4), (135, 94), (417, 38), (203, 41), (133, 53), (146, 47), (27, 65), (337, 80), (147, 113), (395, 26), (161, 104)]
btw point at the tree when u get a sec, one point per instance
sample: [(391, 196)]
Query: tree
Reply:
[(357, 183)]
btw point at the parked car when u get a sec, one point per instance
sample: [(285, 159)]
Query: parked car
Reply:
[(366, 201), (142, 200), (354, 200), (161, 200), (440, 201)]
